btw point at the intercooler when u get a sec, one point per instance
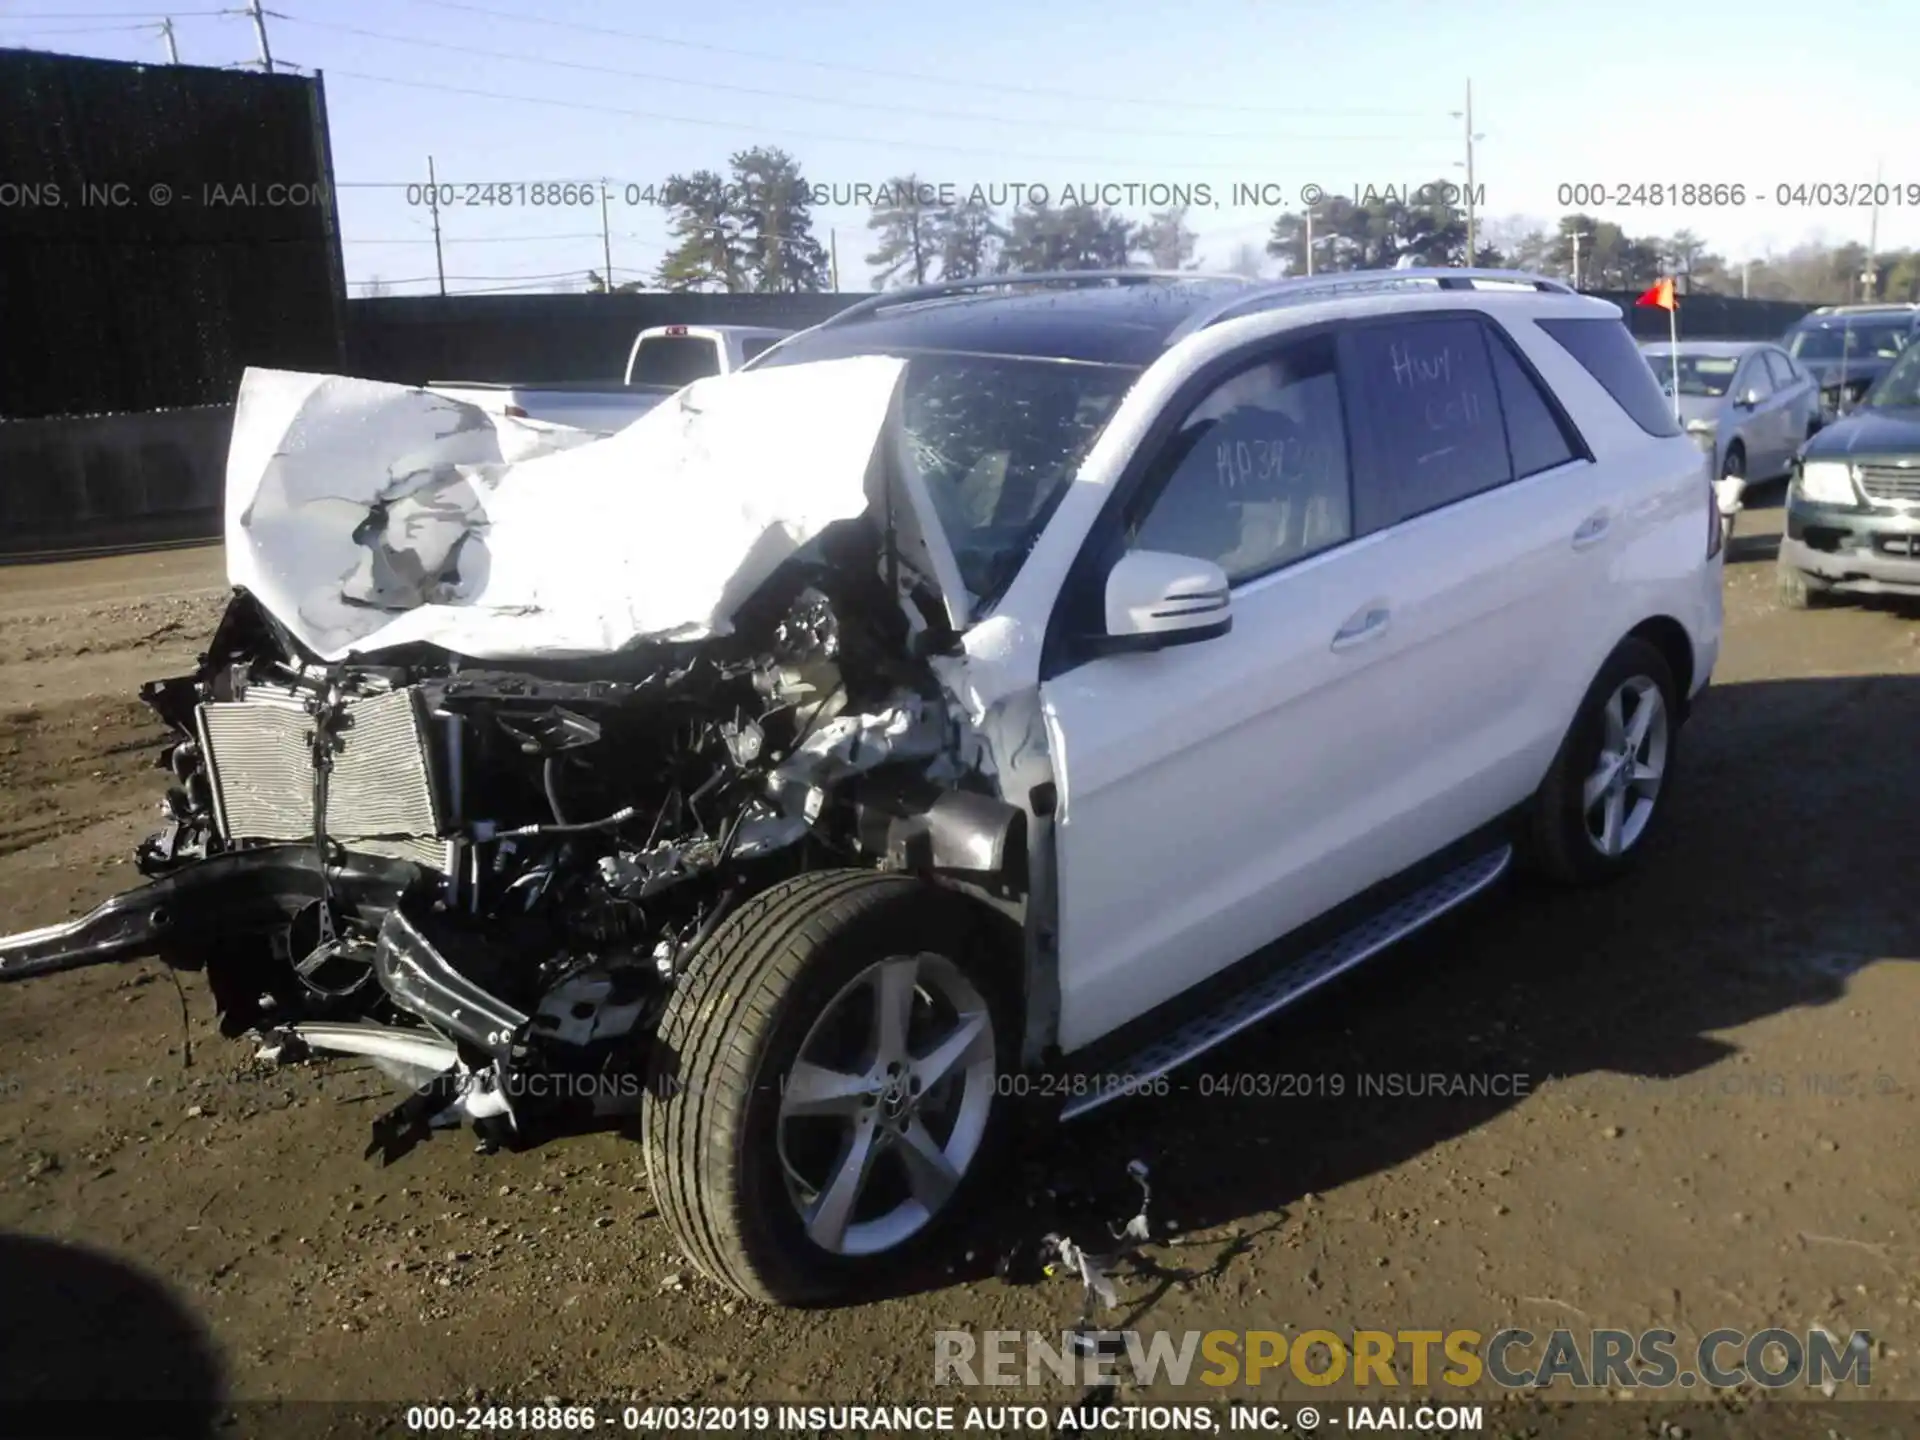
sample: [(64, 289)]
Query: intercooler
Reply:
[(381, 795)]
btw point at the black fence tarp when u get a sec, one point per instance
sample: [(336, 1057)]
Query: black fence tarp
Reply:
[(413, 339), (163, 227), (1708, 317)]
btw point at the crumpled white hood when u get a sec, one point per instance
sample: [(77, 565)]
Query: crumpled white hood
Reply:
[(348, 499)]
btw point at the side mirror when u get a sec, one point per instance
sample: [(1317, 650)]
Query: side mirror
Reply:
[(1155, 600), (1749, 400)]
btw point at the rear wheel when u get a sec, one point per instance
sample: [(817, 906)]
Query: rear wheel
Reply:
[(1604, 794), (825, 1091)]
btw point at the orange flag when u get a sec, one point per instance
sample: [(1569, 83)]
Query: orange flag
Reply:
[(1660, 297)]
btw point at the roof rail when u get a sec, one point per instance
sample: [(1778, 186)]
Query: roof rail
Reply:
[(917, 294), (1303, 288), (1861, 309)]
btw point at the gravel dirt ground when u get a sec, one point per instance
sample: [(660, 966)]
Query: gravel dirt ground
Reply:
[(1708, 1121)]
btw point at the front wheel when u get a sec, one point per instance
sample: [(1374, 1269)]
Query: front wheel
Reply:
[(825, 1089), (1604, 793)]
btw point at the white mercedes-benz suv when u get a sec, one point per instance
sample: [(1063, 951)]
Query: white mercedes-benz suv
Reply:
[(1142, 652)]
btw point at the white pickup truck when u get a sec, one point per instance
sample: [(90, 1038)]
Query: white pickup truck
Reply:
[(664, 359)]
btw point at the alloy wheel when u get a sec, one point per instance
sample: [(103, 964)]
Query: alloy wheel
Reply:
[(886, 1104), (1620, 793)]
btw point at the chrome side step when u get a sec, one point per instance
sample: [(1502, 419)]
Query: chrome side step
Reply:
[(1300, 977)]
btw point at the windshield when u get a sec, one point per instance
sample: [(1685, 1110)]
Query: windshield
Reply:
[(996, 441), (1876, 341), (1703, 375), (1899, 388)]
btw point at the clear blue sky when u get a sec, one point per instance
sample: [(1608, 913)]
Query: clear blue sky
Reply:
[(1082, 92)]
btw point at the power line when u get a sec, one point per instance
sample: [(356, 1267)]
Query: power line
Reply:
[(871, 140), (477, 239), (969, 116), (14, 39), (918, 77), (146, 15)]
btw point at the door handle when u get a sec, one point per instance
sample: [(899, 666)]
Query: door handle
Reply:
[(1369, 624), (1592, 530)]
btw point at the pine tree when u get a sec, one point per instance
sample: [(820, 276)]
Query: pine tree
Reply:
[(909, 223), (772, 204), (1167, 241), (967, 240), (710, 253)]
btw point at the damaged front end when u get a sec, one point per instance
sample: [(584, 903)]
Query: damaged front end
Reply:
[(488, 877)]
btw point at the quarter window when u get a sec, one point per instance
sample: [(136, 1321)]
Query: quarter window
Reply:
[(1257, 475)]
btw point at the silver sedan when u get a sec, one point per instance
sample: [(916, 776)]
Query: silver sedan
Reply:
[(1748, 404)]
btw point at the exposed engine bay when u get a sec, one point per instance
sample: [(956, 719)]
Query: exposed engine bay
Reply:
[(487, 875)]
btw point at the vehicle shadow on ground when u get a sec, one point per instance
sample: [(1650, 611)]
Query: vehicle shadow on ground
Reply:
[(1784, 868), (84, 1336)]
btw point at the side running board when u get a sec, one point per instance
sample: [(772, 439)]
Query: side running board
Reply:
[(1298, 978)]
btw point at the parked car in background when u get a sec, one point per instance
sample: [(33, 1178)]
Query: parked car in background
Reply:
[(664, 359), (1747, 404), (1848, 347), (1853, 508)]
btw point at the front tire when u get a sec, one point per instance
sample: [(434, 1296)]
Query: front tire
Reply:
[(825, 1088), (1604, 794)]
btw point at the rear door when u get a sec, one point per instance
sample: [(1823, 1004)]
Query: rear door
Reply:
[(1497, 531), (1798, 401), (1760, 422)]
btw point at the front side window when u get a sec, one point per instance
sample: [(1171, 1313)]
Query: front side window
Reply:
[(1753, 379), (1780, 367), (1257, 475), (1899, 388)]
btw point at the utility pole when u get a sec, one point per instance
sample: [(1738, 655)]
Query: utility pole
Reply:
[(1309, 239), (1466, 115), (606, 237), (166, 33), (260, 31), (1576, 237), (1870, 280), (433, 203), (1745, 266), (833, 260)]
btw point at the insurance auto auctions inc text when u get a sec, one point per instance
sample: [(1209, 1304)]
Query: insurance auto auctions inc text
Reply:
[(1513, 1359)]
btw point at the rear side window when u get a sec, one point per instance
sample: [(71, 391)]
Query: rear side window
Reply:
[(1429, 422), (1536, 433), (1607, 352), (674, 360)]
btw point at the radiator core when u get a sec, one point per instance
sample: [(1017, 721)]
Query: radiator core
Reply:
[(381, 796)]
